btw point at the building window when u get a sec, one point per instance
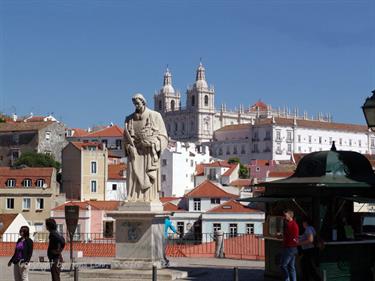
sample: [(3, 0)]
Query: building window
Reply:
[(40, 183), (92, 148), (197, 204), (235, 149), (350, 142), (175, 126), (173, 104), (163, 177), (40, 203), (289, 148), (299, 149), (27, 183), (48, 136), (249, 228), (10, 203), (359, 143), (114, 186), (118, 144), (191, 163), (243, 150), (278, 149), (216, 227), (212, 174), (278, 135), (93, 167), (372, 142), (193, 101), (215, 201), (310, 139), (60, 228), (164, 162), (299, 138), (330, 140), (93, 187), (26, 203), (181, 227), (289, 135), (220, 151), (108, 229), (228, 150), (205, 100), (268, 135), (340, 141), (320, 140), (11, 183), (233, 230), (15, 154)]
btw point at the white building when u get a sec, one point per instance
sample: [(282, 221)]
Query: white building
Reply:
[(10, 225), (218, 171), (208, 208), (178, 165), (278, 138), (199, 118), (116, 182)]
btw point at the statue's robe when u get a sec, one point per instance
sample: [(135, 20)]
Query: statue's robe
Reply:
[(147, 135)]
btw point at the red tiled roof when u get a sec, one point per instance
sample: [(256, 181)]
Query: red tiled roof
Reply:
[(218, 164), (117, 171), (241, 182), (199, 170), (168, 199), (81, 145), (77, 132), (111, 131), (97, 205), (316, 124), (6, 219), (168, 206), (23, 126), (232, 206), (208, 189), (21, 174), (259, 105), (230, 170)]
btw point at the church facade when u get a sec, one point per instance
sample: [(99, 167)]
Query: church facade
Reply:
[(198, 119)]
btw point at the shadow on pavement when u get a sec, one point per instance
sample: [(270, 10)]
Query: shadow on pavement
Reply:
[(221, 274)]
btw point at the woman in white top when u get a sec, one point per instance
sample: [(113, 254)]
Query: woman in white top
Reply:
[(309, 252)]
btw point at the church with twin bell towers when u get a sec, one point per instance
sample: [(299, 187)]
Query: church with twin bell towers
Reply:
[(198, 119)]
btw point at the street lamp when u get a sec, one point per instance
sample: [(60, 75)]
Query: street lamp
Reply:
[(369, 111)]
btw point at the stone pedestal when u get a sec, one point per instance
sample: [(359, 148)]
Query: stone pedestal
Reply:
[(139, 235)]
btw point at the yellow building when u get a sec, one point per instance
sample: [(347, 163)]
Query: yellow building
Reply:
[(84, 171)]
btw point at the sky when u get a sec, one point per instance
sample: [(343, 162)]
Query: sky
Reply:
[(83, 60)]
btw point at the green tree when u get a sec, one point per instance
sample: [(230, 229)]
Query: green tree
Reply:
[(243, 172), (34, 159)]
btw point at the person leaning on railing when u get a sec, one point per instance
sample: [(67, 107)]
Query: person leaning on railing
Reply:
[(22, 255)]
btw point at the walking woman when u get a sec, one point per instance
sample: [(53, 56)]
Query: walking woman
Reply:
[(22, 255), (309, 252)]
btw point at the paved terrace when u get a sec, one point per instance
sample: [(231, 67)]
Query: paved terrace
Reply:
[(199, 269)]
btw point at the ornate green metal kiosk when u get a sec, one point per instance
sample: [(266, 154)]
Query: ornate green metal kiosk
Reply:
[(324, 188)]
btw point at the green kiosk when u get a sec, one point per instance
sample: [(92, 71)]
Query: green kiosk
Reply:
[(326, 187)]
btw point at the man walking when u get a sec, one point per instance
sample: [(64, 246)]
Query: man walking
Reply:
[(55, 248), (290, 243)]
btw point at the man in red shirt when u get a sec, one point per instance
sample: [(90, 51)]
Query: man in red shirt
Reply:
[(290, 243)]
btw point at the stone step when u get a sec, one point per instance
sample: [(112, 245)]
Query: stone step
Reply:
[(125, 274)]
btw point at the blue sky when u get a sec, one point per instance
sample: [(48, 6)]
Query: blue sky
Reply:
[(83, 60)]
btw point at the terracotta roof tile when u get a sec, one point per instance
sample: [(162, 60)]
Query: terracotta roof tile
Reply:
[(77, 132), (208, 189), (81, 145), (21, 174), (199, 170), (232, 206), (168, 199), (117, 171), (168, 206), (6, 219), (23, 126), (241, 182), (230, 170), (111, 131)]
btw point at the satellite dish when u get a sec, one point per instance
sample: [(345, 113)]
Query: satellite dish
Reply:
[(44, 186)]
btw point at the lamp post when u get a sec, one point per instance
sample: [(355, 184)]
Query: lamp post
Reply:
[(369, 111)]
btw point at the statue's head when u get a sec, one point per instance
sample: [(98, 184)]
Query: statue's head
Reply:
[(139, 102)]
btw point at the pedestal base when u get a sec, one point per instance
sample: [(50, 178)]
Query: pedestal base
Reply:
[(139, 237)]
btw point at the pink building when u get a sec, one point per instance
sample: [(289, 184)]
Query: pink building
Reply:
[(93, 221)]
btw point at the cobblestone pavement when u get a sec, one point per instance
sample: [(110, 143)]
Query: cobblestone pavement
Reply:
[(199, 269)]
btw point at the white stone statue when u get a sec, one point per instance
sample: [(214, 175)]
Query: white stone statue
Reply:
[(145, 138)]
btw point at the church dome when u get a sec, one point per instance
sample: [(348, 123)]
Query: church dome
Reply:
[(168, 89), (201, 84)]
